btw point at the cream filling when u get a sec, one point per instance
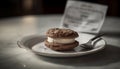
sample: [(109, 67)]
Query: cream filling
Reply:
[(61, 40)]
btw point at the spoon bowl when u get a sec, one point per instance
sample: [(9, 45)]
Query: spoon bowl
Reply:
[(91, 43)]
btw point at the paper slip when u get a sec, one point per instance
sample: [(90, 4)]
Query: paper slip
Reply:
[(83, 16)]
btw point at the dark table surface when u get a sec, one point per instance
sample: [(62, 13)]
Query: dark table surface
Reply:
[(13, 57)]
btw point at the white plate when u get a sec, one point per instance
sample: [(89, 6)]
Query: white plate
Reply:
[(35, 43)]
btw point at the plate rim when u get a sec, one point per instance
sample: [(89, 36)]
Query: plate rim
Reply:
[(20, 44)]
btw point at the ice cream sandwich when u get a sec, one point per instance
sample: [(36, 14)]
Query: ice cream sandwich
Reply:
[(60, 39)]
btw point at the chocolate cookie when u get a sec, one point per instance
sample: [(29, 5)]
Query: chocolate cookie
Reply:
[(61, 33)]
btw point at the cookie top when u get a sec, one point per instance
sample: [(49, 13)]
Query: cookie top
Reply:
[(61, 33)]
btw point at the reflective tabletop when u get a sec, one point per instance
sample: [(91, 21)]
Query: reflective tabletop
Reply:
[(15, 28)]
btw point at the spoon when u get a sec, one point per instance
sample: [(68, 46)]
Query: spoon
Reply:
[(88, 45)]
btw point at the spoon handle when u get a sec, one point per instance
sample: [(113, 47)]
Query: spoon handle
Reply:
[(97, 36)]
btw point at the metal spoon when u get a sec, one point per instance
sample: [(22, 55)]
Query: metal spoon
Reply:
[(89, 44)]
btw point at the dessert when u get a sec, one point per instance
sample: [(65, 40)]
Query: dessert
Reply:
[(60, 39)]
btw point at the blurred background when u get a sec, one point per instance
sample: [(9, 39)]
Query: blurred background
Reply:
[(12, 8)]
